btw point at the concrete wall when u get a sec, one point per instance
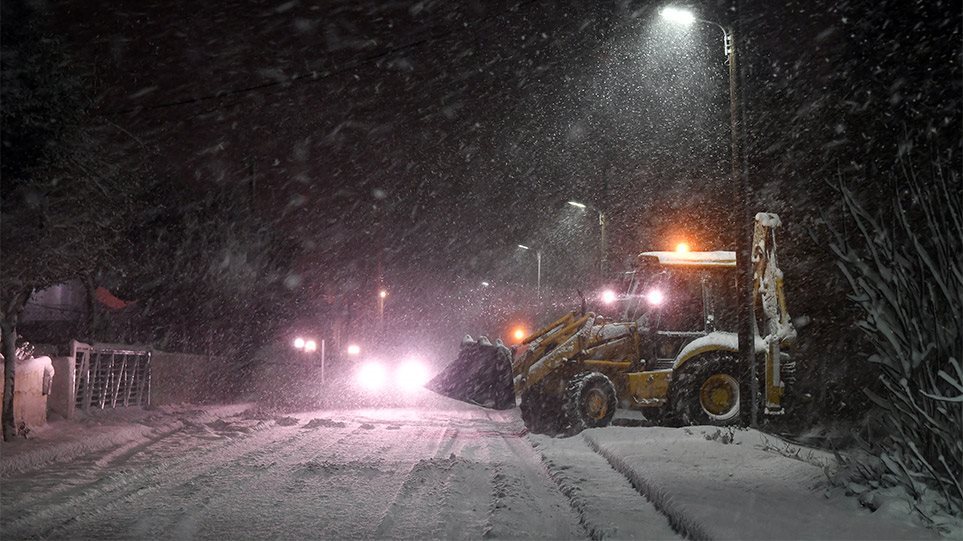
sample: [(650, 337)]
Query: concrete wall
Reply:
[(183, 377), (176, 378), (61, 400), (29, 399)]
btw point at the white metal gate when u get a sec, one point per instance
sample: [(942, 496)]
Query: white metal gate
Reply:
[(110, 377)]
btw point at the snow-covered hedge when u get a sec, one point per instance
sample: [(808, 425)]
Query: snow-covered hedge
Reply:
[(906, 276)]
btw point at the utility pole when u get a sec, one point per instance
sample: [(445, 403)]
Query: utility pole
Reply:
[(744, 227), (743, 216)]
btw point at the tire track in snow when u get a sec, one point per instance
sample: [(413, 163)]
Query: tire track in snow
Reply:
[(221, 483), (681, 523), (339, 491), (442, 496), (591, 485), (523, 493), (111, 491), (94, 463)]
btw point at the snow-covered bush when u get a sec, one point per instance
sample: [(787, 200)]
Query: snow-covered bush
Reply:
[(906, 276)]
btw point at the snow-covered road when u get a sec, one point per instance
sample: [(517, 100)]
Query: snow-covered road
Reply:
[(447, 471), (413, 473)]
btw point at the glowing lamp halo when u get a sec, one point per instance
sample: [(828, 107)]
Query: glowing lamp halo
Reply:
[(411, 375), (519, 333), (677, 15), (372, 376), (655, 297)]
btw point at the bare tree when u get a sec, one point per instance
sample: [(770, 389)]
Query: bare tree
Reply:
[(63, 206)]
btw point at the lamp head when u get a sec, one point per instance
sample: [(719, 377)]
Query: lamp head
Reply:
[(677, 15)]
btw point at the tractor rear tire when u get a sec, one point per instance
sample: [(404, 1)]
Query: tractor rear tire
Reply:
[(710, 390), (591, 401)]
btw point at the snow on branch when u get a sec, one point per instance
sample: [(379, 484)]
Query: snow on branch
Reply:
[(905, 272)]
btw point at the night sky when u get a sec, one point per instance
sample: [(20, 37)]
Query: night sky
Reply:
[(448, 133)]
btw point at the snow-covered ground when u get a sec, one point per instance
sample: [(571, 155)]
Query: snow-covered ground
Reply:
[(439, 470)]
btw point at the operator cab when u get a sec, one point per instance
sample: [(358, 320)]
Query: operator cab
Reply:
[(677, 297)]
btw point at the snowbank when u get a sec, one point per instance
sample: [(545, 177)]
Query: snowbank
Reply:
[(742, 484), (34, 376), (64, 441)]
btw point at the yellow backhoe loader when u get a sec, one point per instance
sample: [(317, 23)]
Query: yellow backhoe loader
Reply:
[(673, 354)]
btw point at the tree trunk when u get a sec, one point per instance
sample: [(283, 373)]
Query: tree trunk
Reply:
[(8, 335), (90, 290), (9, 318)]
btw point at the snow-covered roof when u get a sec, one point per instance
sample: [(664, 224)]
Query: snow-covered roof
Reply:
[(695, 259)]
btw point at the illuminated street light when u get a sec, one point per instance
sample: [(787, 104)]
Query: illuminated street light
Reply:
[(354, 349), (485, 284), (739, 178), (678, 15), (538, 280), (602, 247), (310, 345), (381, 308)]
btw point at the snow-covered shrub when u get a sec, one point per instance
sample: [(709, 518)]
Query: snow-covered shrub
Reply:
[(906, 276)]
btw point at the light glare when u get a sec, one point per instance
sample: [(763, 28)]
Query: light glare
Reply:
[(682, 248), (299, 343), (354, 349), (519, 333), (577, 204), (655, 297), (372, 376), (412, 375), (310, 345), (677, 15), (609, 296)]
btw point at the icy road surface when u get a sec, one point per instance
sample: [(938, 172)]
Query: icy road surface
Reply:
[(457, 472), (446, 471)]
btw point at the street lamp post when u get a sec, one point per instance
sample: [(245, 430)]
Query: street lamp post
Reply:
[(309, 345), (382, 294), (602, 248), (538, 278), (740, 179)]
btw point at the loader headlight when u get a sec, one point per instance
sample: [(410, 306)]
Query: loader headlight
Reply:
[(372, 376), (655, 297)]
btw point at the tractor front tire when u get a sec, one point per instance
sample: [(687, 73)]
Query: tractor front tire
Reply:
[(590, 402), (542, 412), (710, 390)]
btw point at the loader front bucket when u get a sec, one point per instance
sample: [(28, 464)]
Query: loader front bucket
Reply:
[(480, 375)]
